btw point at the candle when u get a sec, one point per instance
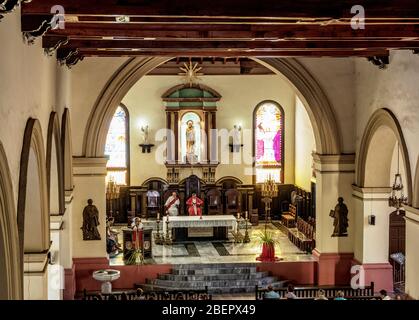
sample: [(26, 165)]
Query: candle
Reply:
[(246, 215), (158, 215)]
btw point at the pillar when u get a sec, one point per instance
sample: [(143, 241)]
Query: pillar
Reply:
[(371, 247), (334, 178), (88, 255), (55, 269), (35, 280), (66, 248), (412, 252)]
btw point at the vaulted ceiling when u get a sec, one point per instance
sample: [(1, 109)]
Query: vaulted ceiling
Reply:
[(221, 28)]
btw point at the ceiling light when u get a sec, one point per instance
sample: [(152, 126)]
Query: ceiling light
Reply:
[(122, 19)]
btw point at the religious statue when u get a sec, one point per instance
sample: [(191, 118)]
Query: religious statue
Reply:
[(190, 141), (340, 216), (172, 205), (194, 206), (144, 130), (90, 222)]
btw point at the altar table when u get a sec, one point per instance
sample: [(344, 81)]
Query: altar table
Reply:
[(215, 227)]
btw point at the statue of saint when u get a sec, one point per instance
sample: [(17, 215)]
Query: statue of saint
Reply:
[(172, 205), (190, 140), (194, 206), (340, 216), (144, 130), (90, 222)]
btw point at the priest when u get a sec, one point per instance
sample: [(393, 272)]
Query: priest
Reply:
[(194, 206), (172, 205)]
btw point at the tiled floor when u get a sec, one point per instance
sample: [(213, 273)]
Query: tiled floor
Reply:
[(206, 252)]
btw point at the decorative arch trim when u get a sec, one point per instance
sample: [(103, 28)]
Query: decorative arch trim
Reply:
[(54, 137), (67, 150), (13, 274), (382, 118), (33, 139), (225, 178), (146, 182), (416, 187), (201, 87)]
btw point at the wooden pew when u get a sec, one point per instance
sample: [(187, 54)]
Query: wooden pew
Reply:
[(330, 292), (288, 218)]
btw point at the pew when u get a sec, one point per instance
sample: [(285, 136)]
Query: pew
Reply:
[(303, 235), (330, 292)]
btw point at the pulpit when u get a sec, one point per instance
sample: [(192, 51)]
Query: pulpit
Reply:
[(145, 243)]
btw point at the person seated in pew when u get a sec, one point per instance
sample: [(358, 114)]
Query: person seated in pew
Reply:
[(321, 295), (290, 292), (271, 294), (384, 295), (340, 296)]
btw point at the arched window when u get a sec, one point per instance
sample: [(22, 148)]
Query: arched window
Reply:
[(117, 147), (268, 152)]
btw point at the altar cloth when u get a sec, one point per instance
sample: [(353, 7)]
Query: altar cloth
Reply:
[(206, 222)]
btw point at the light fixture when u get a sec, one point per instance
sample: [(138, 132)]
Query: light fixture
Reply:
[(122, 19), (397, 197)]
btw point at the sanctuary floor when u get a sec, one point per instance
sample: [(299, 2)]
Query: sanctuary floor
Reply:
[(223, 251)]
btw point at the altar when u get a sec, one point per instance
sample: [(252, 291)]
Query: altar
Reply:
[(214, 227)]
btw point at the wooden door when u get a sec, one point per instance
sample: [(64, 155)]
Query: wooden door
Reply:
[(397, 233)]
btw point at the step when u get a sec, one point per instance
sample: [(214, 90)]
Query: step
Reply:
[(210, 277), (213, 290), (197, 266), (211, 271), (214, 283)]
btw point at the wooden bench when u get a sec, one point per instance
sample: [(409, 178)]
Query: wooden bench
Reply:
[(303, 235), (288, 217)]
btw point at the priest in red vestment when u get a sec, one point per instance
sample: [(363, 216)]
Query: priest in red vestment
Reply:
[(194, 206)]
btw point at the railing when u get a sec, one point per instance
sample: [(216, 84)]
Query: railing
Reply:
[(149, 295), (311, 292), (398, 263)]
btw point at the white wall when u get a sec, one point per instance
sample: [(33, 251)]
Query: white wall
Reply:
[(240, 95), (304, 146), (28, 85)]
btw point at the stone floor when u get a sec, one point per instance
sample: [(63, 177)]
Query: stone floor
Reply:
[(223, 251)]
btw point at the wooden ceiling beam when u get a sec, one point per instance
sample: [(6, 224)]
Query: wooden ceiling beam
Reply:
[(241, 45), (232, 8), (236, 54), (205, 31)]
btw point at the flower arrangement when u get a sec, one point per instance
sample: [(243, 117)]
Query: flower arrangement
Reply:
[(135, 258)]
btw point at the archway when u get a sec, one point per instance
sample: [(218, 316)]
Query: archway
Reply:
[(376, 165), (327, 134), (67, 150), (54, 161), (10, 275), (55, 186), (32, 212)]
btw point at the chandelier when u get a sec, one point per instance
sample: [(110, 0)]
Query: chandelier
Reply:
[(397, 198)]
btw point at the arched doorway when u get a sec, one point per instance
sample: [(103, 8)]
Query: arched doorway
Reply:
[(55, 186), (377, 163), (33, 214), (11, 287)]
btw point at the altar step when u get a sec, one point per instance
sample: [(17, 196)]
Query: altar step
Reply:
[(219, 278)]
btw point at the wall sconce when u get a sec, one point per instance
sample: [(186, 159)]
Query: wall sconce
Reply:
[(371, 220), (145, 146), (236, 145)]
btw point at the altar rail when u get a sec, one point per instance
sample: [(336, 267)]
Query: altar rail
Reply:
[(330, 292), (150, 295)]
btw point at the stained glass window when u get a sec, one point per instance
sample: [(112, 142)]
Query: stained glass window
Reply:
[(117, 147), (269, 119)]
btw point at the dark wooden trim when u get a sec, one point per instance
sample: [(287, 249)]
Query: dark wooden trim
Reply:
[(207, 147), (176, 133), (281, 110)]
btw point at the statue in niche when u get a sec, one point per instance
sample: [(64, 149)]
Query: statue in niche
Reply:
[(340, 216), (90, 222), (190, 141)]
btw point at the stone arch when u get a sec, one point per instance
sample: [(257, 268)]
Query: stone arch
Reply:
[(374, 159), (10, 274), (416, 187), (326, 131), (67, 150), (54, 162), (32, 208)]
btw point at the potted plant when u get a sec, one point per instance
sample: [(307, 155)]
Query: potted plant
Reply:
[(136, 257), (268, 246)]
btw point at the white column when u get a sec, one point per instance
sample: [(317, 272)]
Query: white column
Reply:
[(35, 280), (372, 240), (412, 252), (334, 179), (89, 181), (56, 270)]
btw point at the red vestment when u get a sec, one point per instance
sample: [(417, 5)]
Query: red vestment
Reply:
[(194, 206)]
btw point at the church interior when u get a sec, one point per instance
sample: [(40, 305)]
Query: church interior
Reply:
[(232, 151)]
